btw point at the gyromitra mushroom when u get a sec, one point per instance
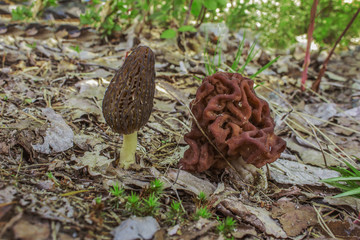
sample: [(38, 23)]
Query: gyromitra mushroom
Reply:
[(128, 100), (235, 120)]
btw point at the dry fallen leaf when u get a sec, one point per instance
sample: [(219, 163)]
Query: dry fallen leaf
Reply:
[(26, 230), (294, 218)]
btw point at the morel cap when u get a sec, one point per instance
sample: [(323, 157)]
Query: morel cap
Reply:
[(128, 100)]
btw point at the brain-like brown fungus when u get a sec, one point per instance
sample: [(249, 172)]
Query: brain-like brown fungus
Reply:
[(235, 120), (128, 100)]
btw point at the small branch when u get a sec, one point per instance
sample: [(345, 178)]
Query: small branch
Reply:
[(309, 40), (188, 13), (315, 86)]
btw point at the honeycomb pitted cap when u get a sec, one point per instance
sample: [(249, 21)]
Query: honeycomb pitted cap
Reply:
[(128, 100)]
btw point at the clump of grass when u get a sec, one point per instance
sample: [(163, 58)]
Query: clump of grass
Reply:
[(118, 194), (117, 191), (202, 198), (176, 213), (156, 187), (212, 67), (202, 212), (151, 205), (133, 204), (226, 227), (349, 182)]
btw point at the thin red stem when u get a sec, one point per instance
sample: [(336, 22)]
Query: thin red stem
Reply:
[(309, 40), (315, 86)]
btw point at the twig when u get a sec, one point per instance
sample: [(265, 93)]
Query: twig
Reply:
[(188, 12), (315, 86), (309, 40), (323, 224)]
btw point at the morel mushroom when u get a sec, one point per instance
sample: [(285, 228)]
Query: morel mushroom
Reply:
[(128, 100), (235, 120)]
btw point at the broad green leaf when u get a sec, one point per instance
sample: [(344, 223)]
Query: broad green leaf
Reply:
[(222, 3), (210, 4), (170, 33), (187, 28), (196, 7)]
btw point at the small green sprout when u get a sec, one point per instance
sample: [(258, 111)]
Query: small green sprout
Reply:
[(202, 212), (202, 197), (151, 205), (226, 226), (176, 212), (4, 97), (76, 48), (133, 203), (52, 178), (28, 100), (156, 186), (32, 45), (116, 191), (98, 200)]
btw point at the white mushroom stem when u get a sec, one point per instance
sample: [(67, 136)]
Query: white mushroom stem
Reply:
[(128, 149)]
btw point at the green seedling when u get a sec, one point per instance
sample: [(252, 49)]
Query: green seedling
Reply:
[(202, 212), (176, 213), (98, 200), (32, 45), (28, 100), (202, 198), (52, 178), (76, 48), (349, 182), (117, 191), (226, 226), (156, 187), (151, 205), (133, 203), (4, 97)]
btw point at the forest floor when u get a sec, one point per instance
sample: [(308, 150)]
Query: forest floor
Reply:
[(58, 157)]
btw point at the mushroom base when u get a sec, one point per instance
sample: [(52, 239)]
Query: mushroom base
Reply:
[(128, 149)]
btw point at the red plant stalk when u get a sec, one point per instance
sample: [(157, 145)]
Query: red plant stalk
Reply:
[(309, 40), (315, 86)]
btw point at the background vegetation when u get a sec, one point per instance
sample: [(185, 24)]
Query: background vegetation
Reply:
[(276, 23)]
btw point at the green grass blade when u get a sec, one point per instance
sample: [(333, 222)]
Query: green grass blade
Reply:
[(250, 57), (357, 172), (264, 67), (349, 193), (344, 172), (235, 64), (336, 179)]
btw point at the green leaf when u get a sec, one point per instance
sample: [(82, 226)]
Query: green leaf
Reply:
[(210, 4), (187, 28), (28, 100), (222, 3), (196, 7), (170, 33)]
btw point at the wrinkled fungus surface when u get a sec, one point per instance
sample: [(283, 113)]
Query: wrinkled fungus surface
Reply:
[(235, 120)]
